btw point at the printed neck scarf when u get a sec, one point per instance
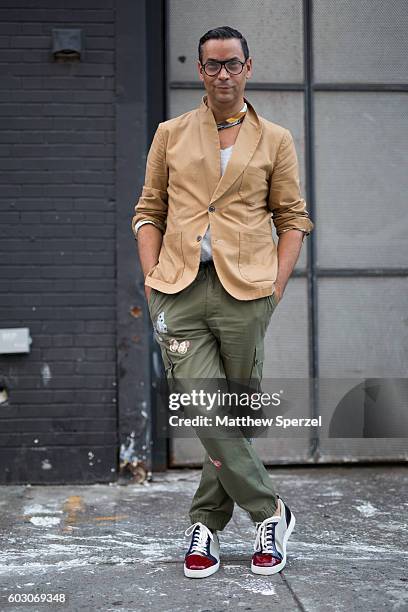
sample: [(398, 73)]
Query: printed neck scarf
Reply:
[(235, 120)]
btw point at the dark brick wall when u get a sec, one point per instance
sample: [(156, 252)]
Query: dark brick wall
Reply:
[(57, 243)]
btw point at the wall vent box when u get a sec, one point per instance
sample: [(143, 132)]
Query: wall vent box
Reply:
[(67, 44), (15, 340)]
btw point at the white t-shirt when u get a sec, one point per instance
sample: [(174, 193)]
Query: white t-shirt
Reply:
[(206, 251)]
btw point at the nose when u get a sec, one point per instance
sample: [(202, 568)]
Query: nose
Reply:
[(223, 73)]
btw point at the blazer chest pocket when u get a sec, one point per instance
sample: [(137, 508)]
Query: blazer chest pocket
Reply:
[(254, 185), (256, 255), (170, 266)]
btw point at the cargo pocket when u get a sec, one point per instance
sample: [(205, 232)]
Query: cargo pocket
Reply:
[(257, 367), (255, 387)]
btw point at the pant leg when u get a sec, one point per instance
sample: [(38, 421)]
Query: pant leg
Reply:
[(190, 350), (211, 504), (240, 327)]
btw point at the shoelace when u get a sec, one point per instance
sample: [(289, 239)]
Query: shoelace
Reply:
[(265, 536), (200, 537)]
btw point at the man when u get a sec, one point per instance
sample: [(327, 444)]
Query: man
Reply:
[(215, 177)]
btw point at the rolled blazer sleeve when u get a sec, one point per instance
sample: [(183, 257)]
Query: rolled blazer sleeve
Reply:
[(285, 201), (152, 204)]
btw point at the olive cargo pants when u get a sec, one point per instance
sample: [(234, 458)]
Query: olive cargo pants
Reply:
[(204, 332)]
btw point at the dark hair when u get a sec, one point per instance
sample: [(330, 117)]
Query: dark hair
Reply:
[(223, 33)]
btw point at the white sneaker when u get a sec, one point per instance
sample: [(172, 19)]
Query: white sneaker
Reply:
[(203, 557), (272, 535)]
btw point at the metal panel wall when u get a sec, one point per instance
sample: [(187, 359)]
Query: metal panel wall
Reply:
[(360, 41), (335, 74), (361, 169), (360, 111), (267, 26)]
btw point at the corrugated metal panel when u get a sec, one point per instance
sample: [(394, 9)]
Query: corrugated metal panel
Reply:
[(360, 41), (273, 29)]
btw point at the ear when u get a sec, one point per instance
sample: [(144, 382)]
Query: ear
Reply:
[(200, 71), (249, 67)]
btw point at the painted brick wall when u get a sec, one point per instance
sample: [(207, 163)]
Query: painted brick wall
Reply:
[(57, 243)]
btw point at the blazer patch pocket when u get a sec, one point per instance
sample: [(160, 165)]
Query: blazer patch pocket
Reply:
[(256, 252), (254, 185), (171, 260)]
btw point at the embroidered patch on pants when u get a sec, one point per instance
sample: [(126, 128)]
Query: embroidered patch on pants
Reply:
[(179, 347), (216, 462), (160, 324)]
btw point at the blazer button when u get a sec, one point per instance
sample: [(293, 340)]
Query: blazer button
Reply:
[(211, 208), (199, 238)]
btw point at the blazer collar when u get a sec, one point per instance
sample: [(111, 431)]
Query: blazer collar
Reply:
[(245, 145)]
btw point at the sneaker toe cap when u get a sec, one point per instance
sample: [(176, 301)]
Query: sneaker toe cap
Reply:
[(265, 560), (198, 562)]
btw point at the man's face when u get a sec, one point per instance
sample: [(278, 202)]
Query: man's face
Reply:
[(224, 88)]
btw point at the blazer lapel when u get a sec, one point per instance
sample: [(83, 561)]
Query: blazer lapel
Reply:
[(210, 144), (244, 148)]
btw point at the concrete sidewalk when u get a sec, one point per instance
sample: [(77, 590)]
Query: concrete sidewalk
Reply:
[(112, 547)]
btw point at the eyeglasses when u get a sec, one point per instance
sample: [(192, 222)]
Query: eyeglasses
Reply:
[(212, 68)]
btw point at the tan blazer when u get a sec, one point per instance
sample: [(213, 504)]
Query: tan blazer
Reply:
[(184, 193)]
